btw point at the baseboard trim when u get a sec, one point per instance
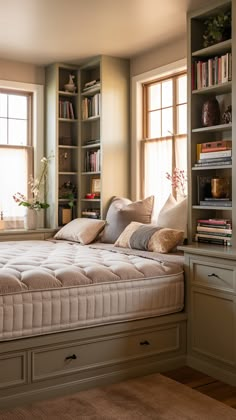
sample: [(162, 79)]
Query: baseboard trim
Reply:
[(212, 370)]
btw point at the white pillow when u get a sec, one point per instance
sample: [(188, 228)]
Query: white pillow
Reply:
[(173, 215), (83, 230)]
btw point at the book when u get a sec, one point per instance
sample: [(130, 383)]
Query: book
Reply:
[(215, 160), (203, 187), (211, 236), (219, 230), (216, 203), (216, 241), (207, 155), (217, 221), (213, 163), (214, 146)]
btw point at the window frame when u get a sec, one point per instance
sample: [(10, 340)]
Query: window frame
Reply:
[(145, 123), (137, 117), (36, 116)]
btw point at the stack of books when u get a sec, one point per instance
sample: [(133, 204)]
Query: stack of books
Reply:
[(214, 153), (214, 231)]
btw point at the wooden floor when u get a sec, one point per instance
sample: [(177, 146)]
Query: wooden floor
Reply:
[(204, 384)]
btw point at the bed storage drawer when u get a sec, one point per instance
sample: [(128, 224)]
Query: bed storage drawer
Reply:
[(213, 275), (87, 355), (12, 369)]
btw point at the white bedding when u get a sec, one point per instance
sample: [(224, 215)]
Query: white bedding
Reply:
[(51, 286)]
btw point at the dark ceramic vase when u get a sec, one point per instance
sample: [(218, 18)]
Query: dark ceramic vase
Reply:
[(210, 112)]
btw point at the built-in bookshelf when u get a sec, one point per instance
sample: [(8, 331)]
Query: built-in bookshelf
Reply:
[(210, 128), (104, 134), (87, 131), (62, 141)]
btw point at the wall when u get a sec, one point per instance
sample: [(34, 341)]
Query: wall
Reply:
[(158, 57), (21, 72)]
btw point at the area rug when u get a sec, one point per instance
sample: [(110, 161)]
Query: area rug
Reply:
[(149, 397)]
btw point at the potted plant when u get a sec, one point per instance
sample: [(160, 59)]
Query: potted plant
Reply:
[(217, 28)]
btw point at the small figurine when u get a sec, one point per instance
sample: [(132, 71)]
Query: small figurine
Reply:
[(70, 86), (227, 115)]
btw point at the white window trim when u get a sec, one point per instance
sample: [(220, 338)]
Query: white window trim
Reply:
[(38, 116), (137, 116)]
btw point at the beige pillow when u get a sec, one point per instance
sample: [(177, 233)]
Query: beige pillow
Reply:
[(121, 212), (150, 238), (173, 215), (82, 230)]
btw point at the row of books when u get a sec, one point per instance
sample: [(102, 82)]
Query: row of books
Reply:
[(211, 72), (93, 161), (66, 110), (91, 213), (214, 231), (214, 153), (91, 106)]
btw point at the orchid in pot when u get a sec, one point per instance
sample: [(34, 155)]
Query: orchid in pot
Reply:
[(35, 203)]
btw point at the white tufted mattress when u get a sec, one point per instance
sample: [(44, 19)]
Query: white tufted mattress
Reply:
[(51, 286)]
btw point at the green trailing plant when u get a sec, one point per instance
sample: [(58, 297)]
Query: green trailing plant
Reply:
[(218, 28)]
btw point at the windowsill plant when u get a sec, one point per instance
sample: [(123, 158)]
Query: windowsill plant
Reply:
[(37, 189)]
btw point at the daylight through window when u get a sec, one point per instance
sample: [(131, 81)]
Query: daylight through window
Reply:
[(15, 150), (165, 134)]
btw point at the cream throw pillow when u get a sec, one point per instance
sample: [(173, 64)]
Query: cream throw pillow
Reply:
[(173, 215), (81, 230), (149, 238)]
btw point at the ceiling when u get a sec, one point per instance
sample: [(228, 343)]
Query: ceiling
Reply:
[(45, 31)]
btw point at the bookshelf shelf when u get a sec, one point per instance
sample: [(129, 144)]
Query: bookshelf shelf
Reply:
[(211, 167), (90, 173), (216, 49), (94, 200), (91, 91), (212, 208), (68, 94), (218, 89), (214, 128), (65, 146), (91, 146), (68, 120), (87, 120)]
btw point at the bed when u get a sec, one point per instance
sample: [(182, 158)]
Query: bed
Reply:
[(74, 315)]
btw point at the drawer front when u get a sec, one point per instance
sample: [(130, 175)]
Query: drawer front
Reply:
[(213, 275), (12, 370), (69, 359)]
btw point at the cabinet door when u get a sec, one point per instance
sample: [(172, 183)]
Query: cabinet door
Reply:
[(213, 325)]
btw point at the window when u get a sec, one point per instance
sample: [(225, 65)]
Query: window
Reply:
[(16, 149), (165, 134)]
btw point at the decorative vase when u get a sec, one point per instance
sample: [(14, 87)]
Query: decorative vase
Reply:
[(220, 187), (210, 112), (30, 219)]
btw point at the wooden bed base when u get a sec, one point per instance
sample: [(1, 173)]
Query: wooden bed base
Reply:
[(66, 362)]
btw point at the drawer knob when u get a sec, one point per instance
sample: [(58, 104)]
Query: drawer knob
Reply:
[(144, 343), (213, 275), (72, 357)]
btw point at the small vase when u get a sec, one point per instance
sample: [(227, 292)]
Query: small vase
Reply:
[(210, 112), (30, 219)]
